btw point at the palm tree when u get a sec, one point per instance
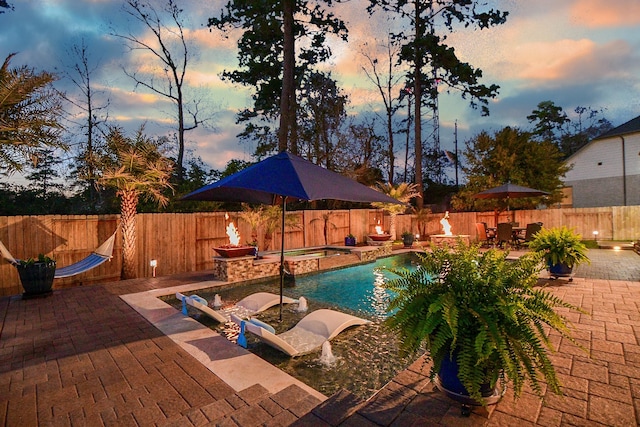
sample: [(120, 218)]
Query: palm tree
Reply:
[(255, 217), (402, 192), (29, 115), (135, 167)]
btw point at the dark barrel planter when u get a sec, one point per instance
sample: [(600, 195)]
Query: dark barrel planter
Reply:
[(447, 381), (349, 241), (37, 278), (407, 240)]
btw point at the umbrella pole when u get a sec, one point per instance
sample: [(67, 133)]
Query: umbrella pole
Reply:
[(284, 209)]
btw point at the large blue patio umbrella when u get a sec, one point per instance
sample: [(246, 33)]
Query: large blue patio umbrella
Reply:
[(285, 176)]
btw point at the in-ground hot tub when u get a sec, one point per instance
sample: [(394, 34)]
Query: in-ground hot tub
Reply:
[(315, 252), (307, 260)]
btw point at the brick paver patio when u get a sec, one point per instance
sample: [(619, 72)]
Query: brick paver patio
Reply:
[(84, 357)]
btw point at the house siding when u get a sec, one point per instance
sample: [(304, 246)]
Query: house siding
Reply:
[(596, 177), (601, 192)]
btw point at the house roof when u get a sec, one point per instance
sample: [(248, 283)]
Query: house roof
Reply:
[(632, 126)]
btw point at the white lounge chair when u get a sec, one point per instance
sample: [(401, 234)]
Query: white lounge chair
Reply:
[(248, 306), (307, 335)]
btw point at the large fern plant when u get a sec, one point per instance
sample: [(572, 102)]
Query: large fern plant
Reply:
[(560, 245), (484, 311)]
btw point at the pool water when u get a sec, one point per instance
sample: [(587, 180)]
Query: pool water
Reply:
[(367, 357), (359, 289)]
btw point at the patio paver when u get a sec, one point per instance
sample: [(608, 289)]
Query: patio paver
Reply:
[(84, 357)]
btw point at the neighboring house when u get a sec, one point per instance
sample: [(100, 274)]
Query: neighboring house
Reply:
[(606, 171)]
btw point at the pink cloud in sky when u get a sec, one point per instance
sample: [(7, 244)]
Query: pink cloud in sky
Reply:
[(606, 13), (548, 60)]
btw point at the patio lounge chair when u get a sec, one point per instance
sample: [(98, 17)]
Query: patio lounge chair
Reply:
[(306, 336), (254, 303)]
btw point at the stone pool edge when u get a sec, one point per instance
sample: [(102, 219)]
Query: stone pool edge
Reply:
[(234, 365)]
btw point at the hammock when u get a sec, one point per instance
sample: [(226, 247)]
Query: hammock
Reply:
[(97, 257)]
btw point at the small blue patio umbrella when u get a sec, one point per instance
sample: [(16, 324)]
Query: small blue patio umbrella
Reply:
[(509, 191), (286, 176)]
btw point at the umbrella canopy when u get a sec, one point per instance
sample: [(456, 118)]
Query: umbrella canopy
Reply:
[(290, 176), (285, 176), (509, 191)]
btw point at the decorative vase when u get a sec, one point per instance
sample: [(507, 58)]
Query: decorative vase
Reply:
[(408, 240), (37, 278), (349, 241)]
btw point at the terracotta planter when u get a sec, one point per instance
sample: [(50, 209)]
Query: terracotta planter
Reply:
[(235, 251)]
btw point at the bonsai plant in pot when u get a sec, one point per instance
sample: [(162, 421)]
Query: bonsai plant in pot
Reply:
[(481, 320), (407, 239), (562, 250), (36, 275)]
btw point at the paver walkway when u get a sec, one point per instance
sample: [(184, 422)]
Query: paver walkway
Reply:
[(83, 357)]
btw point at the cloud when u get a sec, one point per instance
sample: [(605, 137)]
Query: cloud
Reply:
[(606, 13)]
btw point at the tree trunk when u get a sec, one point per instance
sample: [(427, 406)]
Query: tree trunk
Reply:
[(418, 102), (128, 210), (392, 226), (180, 159), (287, 109)]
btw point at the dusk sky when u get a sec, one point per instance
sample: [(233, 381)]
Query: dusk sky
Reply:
[(572, 52)]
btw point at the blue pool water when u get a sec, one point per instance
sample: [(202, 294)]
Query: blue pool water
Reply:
[(359, 288)]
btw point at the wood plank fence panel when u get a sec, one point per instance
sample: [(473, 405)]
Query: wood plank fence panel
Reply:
[(359, 224), (184, 242), (626, 222)]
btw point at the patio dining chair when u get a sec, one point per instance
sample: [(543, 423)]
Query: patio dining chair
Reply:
[(531, 230), (504, 234), (485, 239)]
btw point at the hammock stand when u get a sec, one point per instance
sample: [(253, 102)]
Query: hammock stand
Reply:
[(103, 253)]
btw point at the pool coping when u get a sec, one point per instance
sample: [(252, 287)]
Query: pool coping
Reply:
[(234, 365)]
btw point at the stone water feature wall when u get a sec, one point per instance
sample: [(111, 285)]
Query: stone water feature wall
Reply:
[(249, 268)]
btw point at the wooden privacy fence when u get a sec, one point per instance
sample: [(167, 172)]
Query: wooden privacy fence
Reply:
[(184, 242)]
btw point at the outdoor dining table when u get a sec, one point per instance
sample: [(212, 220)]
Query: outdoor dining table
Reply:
[(516, 231)]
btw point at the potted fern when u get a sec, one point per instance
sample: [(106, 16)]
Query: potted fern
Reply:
[(36, 275), (481, 320), (562, 250)]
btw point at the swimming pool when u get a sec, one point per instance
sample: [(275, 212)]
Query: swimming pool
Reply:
[(367, 356)]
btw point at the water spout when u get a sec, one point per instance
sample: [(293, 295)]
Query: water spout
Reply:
[(302, 305), (327, 358), (217, 302)]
